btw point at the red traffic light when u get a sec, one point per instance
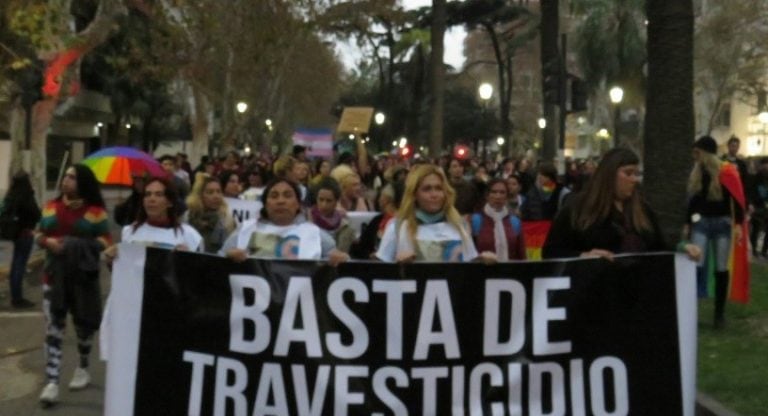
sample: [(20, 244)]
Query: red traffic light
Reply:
[(406, 151), (461, 152)]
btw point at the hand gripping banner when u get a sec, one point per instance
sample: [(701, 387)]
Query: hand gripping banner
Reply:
[(200, 335)]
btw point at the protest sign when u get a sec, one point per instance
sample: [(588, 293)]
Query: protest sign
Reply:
[(198, 334)]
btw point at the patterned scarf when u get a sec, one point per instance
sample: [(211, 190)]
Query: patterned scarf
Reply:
[(499, 237), (326, 223)]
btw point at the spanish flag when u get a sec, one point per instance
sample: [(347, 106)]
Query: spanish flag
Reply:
[(739, 258), (534, 235)]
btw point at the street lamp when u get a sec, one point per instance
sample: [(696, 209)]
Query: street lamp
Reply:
[(379, 118), (241, 107), (616, 94), (500, 141), (486, 91), (542, 123)]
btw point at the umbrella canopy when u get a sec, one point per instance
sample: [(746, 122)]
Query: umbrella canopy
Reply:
[(116, 165)]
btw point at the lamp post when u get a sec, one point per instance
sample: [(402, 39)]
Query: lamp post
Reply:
[(616, 94), (379, 118), (485, 91), (241, 107), (542, 122)]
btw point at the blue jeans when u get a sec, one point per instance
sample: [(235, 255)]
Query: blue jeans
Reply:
[(22, 248), (714, 232)]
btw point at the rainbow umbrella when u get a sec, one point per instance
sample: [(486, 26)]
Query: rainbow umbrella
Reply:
[(116, 165)]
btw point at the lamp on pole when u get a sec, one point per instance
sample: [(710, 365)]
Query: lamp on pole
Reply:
[(616, 94), (485, 91), (241, 107)]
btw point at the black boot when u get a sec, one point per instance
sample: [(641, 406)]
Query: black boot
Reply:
[(721, 291)]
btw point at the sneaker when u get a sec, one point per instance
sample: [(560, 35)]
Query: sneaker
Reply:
[(50, 395), (80, 379), (22, 304)]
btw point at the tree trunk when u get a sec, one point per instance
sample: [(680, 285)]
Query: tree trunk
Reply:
[(42, 116), (669, 126), (550, 30), (437, 75), (17, 132), (93, 35), (199, 112)]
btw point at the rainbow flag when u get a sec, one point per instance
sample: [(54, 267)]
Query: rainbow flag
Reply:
[(535, 234), (739, 259)]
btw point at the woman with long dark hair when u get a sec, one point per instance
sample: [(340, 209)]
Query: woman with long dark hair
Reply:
[(158, 223), (609, 216), (74, 230), (21, 208)]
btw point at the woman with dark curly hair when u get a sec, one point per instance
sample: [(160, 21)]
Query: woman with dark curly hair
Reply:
[(74, 230)]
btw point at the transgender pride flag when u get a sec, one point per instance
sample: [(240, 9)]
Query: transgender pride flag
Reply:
[(319, 142)]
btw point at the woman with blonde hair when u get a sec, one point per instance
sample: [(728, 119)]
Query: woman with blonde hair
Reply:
[(207, 212), (715, 210), (351, 189), (427, 226)]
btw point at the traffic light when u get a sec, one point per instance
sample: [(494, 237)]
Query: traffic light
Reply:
[(551, 82), (461, 152), (578, 95)]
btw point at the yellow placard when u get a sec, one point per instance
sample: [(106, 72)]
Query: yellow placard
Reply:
[(355, 120)]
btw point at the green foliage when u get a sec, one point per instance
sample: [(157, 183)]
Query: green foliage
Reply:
[(44, 24), (732, 362), (610, 43), (728, 60)]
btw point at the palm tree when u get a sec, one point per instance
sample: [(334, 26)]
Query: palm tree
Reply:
[(610, 44), (669, 116), (437, 76)]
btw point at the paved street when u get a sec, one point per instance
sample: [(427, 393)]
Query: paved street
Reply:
[(22, 362)]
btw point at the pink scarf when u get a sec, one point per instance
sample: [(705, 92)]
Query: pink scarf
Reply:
[(326, 223)]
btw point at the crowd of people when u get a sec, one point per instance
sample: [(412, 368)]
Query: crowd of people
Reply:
[(449, 209)]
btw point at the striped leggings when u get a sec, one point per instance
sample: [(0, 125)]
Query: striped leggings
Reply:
[(54, 335)]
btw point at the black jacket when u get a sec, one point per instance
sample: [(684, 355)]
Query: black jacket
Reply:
[(612, 234)]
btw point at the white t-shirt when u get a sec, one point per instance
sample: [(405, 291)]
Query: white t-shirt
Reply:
[(263, 239), (152, 236), (439, 242)]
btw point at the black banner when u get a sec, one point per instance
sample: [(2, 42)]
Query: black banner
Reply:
[(288, 338)]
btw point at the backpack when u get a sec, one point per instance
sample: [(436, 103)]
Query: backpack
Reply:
[(10, 223)]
